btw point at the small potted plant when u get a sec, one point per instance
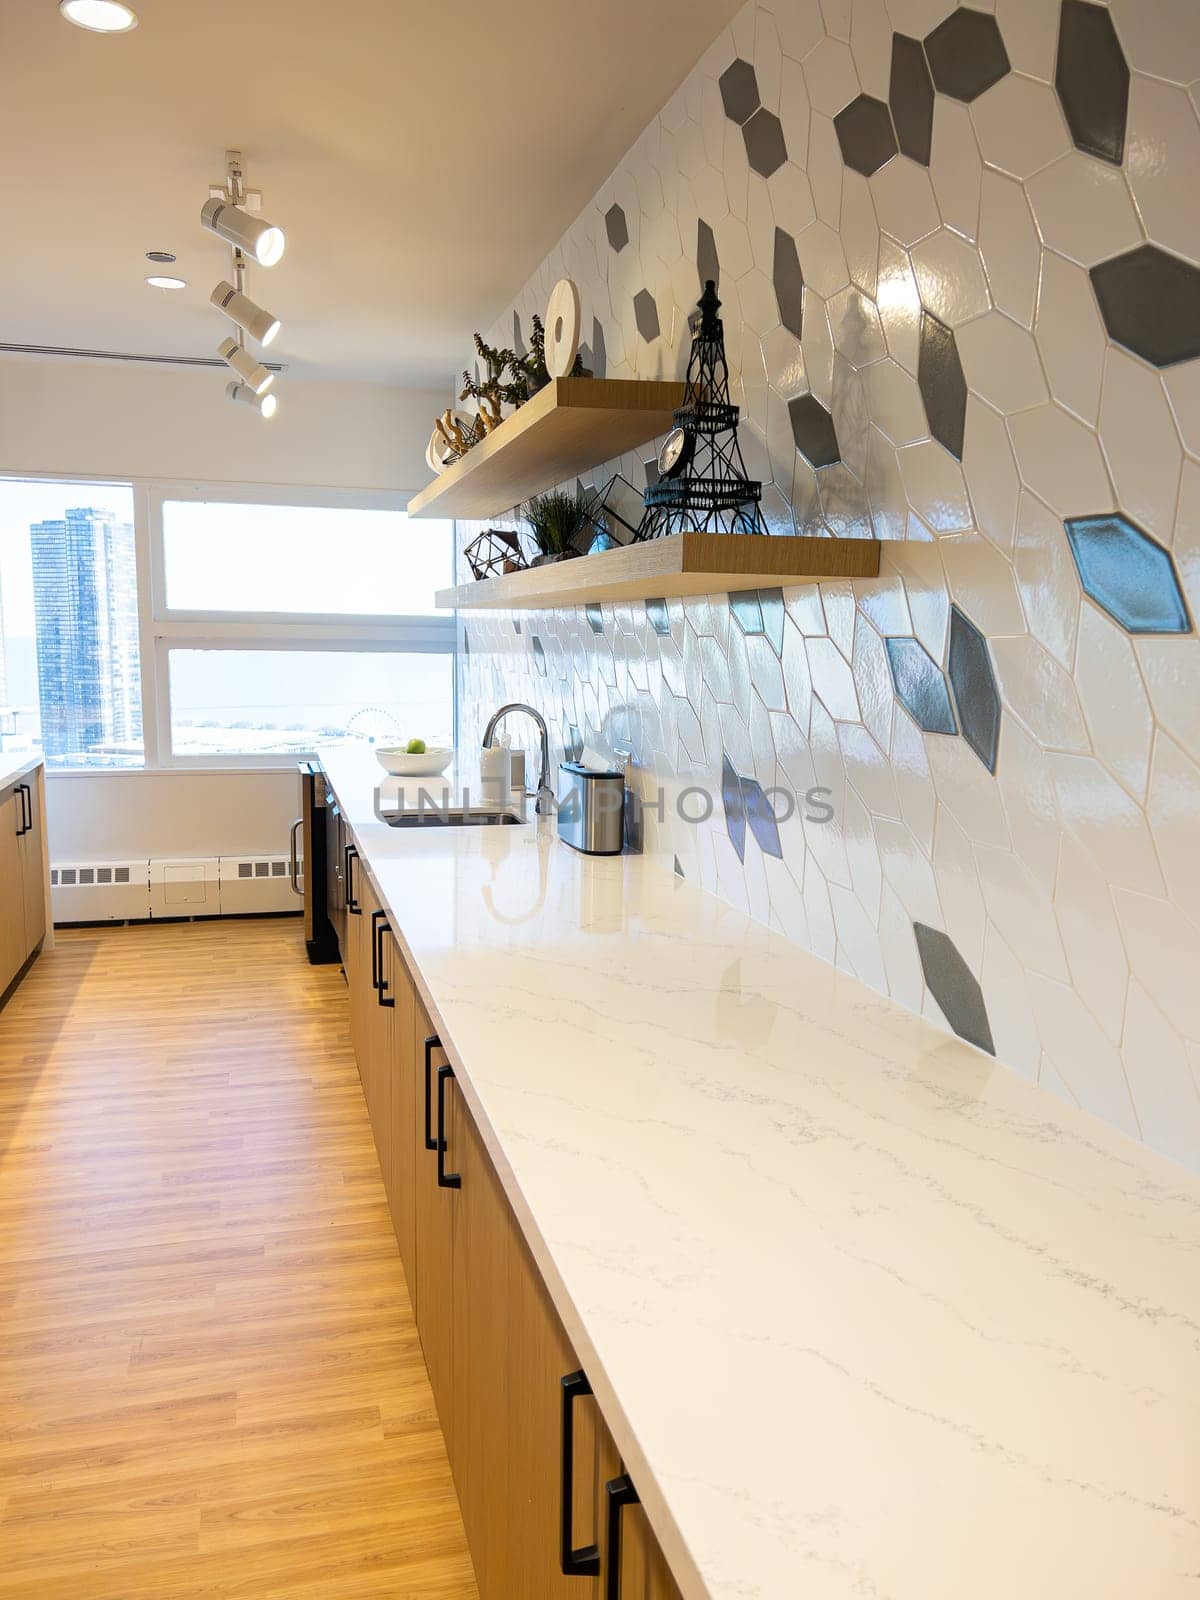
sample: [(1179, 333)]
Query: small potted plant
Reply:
[(556, 520)]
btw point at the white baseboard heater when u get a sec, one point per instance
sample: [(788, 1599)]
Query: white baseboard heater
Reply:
[(138, 891)]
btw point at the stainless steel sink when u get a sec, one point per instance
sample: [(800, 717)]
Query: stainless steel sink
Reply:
[(452, 817)]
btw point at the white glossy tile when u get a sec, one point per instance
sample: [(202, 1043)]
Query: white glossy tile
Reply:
[(823, 263), (831, 77), (895, 402), (1084, 209), (1030, 32), (1061, 461), (1160, 1080), (871, 46), (825, 167), (956, 166), (1021, 911), (936, 489), (1083, 1055), (1137, 433), (1161, 37), (1162, 156), (1172, 808), (1010, 246), (1106, 822), (899, 303), (1030, 801), (959, 891), (1164, 955), (1070, 336), (1091, 937), (1041, 693), (904, 200), (832, 679), (983, 584), (1000, 361), (950, 277), (1020, 125), (991, 473), (1047, 578)]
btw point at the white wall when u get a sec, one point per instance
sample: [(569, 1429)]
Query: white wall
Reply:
[(115, 419), (119, 419), (117, 815)]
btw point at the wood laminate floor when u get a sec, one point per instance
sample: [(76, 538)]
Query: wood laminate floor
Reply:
[(210, 1380)]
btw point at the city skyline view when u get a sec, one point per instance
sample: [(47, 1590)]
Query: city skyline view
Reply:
[(70, 671)]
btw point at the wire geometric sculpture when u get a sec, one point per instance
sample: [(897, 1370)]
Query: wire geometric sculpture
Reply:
[(495, 552), (602, 512), (711, 492)]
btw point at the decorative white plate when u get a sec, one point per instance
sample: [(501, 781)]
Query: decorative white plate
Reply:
[(562, 328)]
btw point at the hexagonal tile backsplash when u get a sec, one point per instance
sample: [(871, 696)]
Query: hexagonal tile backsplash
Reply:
[(959, 261)]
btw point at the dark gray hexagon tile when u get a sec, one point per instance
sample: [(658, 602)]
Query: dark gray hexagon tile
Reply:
[(708, 264), (516, 622), (766, 148), (1150, 302), (920, 685), (466, 642), (595, 617), (645, 314), (761, 818), (954, 986), (572, 741), (735, 807), (539, 655), (974, 685), (657, 615), (599, 361), (942, 384), (813, 431), (865, 133), (966, 53), (679, 872), (616, 227), (789, 283), (910, 94), (652, 471), (1092, 80), (1128, 573), (739, 91)]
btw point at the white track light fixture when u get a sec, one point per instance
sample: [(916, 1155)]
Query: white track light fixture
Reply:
[(265, 404), (254, 236), (251, 318), (232, 213), (250, 371)]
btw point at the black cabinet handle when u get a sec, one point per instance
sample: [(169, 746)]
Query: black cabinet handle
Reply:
[(621, 1493), (26, 810), (381, 984), (446, 1180), (432, 1043), (352, 905), (585, 1561)]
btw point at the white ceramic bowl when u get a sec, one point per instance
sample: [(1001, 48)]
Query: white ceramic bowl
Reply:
[(396, 760)]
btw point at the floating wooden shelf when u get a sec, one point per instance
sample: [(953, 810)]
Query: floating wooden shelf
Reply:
[(687, 563), (569, 427)]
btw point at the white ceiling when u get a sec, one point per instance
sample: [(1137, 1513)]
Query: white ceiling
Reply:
[(422, 158)]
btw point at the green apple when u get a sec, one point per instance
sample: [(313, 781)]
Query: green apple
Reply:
[(416, 747)]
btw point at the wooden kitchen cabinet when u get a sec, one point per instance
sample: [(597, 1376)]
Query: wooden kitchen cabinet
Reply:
[(13, 948), (496, 1352), (33, 861)]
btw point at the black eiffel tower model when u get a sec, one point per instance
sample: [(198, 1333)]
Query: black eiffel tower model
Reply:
[(709, 491)]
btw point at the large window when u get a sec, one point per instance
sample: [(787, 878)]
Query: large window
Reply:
[(70, 680), (189, 625)]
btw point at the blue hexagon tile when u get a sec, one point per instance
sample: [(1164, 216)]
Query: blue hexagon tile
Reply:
[(958, 249)]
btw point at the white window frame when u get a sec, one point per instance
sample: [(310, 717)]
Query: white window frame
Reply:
[(161, 628)]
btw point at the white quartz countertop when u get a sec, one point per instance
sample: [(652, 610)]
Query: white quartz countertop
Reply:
[(15, 765), (868, 1315)]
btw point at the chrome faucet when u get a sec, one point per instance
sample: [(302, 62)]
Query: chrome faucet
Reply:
[(543, 788)]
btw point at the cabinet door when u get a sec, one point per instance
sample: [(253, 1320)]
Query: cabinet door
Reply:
[(539, 1358), (33, 872), (642, 1573), (399, 1147), (436, 1210), (356, 959), (13, 948), (480, 1458)]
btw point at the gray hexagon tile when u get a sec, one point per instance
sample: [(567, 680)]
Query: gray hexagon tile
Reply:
[(959, 255)]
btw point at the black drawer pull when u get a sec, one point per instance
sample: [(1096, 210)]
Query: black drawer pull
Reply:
[(621, 1493), (380, 926), (432, 1043), (352, 905), (585, 1561), (446, 1180), (26, 810)]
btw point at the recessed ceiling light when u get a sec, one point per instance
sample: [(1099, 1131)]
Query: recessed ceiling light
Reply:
[(163, 258), (99, 16), (157, 282)]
